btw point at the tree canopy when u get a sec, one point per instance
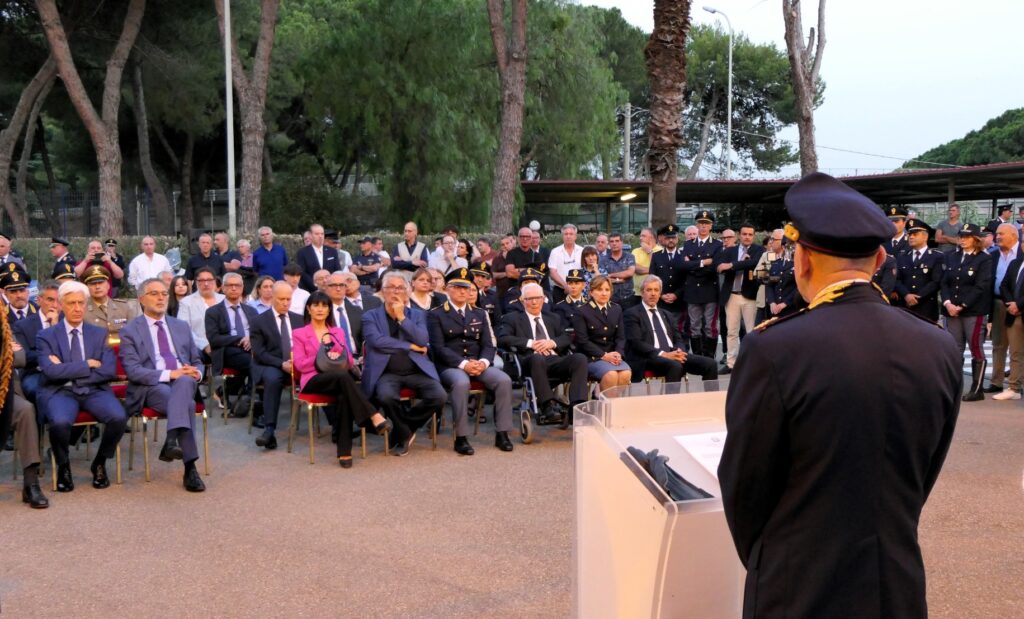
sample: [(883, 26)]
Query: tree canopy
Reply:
[(1000, 139)]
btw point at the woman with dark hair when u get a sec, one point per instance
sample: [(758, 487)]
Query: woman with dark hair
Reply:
[(465, 250), (967, 298), (423, 295), (590, 260), (179, 290), (351, 405), (601, 335)]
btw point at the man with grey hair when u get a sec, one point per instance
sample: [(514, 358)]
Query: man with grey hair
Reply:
[(269, 258), (205, 258), (690, 233), (271, 349), (77, 367), (227, 329), (562, 259)]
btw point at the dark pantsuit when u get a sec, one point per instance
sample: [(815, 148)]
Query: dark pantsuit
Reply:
[(673, 371), (274, 380), (61, 409), (177, 401), (543, 369), (350, 404), (430, 398)]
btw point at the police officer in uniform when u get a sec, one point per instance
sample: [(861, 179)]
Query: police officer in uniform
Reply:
[(63, 271), (831, 450), (780, 294), (463, 346), (487, 296), (898, 244), (511, 301), (919, 272), (701, 286), (63, 258), (668, 265), (14, 281), (966, 299), (100, 309), (574, 297), (885, 279)]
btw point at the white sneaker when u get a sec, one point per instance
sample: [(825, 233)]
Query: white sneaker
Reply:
[(1008, 394)]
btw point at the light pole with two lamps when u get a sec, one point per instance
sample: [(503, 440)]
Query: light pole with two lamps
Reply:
[(728, 113)]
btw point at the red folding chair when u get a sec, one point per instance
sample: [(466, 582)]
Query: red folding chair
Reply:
[(151, 414), (85, 419)]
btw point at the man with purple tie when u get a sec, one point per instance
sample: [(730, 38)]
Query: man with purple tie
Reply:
[(164, 368)]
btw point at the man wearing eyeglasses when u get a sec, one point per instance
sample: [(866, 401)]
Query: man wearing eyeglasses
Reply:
[(164, 369), (227, 329), (540, 340)]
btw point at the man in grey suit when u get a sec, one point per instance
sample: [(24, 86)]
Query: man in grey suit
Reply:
[(164, 367)]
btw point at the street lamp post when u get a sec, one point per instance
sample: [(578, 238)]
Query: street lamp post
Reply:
[(229, 108), (728, 113)]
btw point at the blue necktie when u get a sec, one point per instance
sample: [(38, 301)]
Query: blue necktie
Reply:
[(76, 355)]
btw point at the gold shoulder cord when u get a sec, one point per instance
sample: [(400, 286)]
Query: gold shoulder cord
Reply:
[(6, 357), (829, 294)]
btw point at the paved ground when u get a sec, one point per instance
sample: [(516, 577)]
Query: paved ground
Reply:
[(431, 535)]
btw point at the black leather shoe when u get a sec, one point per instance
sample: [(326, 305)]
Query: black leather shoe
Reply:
[(64, 481), (723, 370), (193, 482), (462, 446), (345, 463), (258, 422), (33, 495), (502, 442), (403, 449), (973, 396), (267, 439), (171, 450), (992, 389), (99, 476), (384, 426)]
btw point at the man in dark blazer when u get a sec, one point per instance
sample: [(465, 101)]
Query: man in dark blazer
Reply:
[(227, 329), (164, 369), (540, 341), (836, 436), (357, 297), (316, 256), (347, 316), (1007, 326), (653, 345), (25, 332), (1006, 249), (396, 358), (739, 289), (271, 337), (77, 367)]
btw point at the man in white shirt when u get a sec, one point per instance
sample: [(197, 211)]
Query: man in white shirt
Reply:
[(148, 264), (564, 258), (293, 275), (444, 258)]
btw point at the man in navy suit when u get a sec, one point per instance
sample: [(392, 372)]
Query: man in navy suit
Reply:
[(77, 367), (739, 290), (316, 256), (25, 332), (164, 368), (271, 337), (227, 328), (396, 359)]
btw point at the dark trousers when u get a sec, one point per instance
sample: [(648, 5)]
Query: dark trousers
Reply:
[(544, 370), (240, 361), (61, 409), (673, 371), (350, 404), (29, 387), (177, 400), (429, 399), (274, 380), (927, 308)]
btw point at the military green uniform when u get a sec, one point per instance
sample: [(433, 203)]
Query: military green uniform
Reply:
[(113, 314)]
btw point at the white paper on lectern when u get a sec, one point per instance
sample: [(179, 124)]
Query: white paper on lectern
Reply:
[(705, 448)]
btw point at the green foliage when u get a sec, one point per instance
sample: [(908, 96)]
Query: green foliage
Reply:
[(1001, 139)]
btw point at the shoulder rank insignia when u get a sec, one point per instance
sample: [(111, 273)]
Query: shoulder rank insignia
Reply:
[(776, 320)]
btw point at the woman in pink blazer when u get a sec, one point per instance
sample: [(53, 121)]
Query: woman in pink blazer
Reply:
[(351, 403)]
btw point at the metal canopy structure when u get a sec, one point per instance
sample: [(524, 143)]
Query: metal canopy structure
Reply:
[(984, 182)]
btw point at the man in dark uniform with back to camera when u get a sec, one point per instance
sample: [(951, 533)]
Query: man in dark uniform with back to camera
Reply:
[(701, 286), (832, 451), (919, 273)]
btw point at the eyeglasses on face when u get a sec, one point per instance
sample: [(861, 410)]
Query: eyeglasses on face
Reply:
[(394, 288)]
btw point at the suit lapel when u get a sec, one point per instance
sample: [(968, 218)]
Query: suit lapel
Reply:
[(62, 339), (147, 340)]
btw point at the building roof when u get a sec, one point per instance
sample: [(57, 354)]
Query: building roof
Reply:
[(983, 182)]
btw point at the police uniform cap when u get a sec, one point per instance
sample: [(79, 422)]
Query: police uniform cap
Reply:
[(575, 275), (96, 273), (458, 277), (914, 224), (366, 239), (705, 217), (110, 242), (14, 279), (1005, 208), (896, 212), (482, 268), (830, 217), (971, 230), (64, 270), (331, 234), (531, 274), (669, 230), (56, 240)]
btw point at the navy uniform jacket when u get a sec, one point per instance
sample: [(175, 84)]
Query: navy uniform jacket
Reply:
[(830, 456), (784, 290), (740, 268), (701, 285), (29, 310), (597, 334), (487, 300), (968, 282), (898, 248), (58, 265), (923, 279), (673, 278), (567, 309), (454, 339), (885, 277)]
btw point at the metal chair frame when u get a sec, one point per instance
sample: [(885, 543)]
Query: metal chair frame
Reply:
[(89, 422)]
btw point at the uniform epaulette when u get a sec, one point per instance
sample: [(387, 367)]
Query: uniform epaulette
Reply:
[(934, 323), (592, 304), (776, 320), (446, 307)]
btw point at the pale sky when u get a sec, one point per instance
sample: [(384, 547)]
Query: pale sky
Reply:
[(901, 76)]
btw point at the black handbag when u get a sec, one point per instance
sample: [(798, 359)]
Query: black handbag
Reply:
[(323, 362)]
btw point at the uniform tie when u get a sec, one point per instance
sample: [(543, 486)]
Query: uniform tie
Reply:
[(164, 346), (21, 314)]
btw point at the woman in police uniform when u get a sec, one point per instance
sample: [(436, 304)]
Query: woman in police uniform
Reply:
[(601, 335), (967, 296)]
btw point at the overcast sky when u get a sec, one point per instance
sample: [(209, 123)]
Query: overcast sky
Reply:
[(901, 77)]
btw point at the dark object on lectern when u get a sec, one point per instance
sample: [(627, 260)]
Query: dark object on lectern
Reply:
[(675, 485)]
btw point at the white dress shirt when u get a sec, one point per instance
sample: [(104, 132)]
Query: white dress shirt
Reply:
[(562, 261), (192, 310), (142, 267), (299, 298)]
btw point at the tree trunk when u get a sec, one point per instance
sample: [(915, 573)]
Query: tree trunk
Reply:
[(804, 74), (49, 204), (510, 51), (705, 134), (161, 205), (9, 139), (20, 189), (665, 56), (102, 127), (252, 97)]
